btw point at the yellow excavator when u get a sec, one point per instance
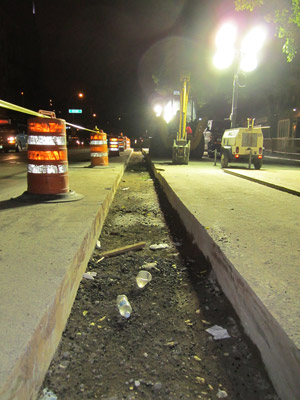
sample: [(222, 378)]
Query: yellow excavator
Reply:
[(181, 146), (172, 140)]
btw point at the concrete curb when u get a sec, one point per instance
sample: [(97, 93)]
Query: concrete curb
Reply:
[(280, 355)]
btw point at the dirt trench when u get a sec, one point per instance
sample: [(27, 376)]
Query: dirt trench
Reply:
[(163, 350)]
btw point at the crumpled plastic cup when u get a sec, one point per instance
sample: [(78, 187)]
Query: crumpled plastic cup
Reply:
[(143, 277)]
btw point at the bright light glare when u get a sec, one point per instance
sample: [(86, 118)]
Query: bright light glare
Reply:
[(157, 110), (254, 40), (223, 58), (226, 36), (248, 63), (168, 112)]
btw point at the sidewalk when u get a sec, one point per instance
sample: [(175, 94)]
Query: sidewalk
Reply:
[(250, 234), (286, 180), (45, 249)]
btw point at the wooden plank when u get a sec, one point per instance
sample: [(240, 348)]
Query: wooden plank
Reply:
[(124, 249)]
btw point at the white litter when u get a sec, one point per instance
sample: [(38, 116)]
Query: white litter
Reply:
[(89, 275), (98, 244), (125, 188), (159, 246), (221, 394), (48, 395), (218, 332), (149, 266)]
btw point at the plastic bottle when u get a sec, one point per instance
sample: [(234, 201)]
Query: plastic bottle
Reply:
[(143, 277), (124, 306)]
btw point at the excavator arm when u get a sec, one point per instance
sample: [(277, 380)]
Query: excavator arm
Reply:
[(184, 98), (181, 147)]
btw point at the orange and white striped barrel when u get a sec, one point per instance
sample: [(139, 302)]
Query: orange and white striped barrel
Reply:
[(99, 152), (127, 143), (47, 167), (113, 146), (121, 143)]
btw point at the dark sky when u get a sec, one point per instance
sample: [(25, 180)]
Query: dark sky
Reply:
[(110, 49), (97, 46)]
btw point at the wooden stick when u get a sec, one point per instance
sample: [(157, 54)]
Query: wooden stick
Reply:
[(124, 249)]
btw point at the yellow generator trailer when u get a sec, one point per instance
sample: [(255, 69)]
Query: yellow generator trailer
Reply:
[(242, 145)]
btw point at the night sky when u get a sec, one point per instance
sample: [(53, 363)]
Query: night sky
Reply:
[(109, 50)]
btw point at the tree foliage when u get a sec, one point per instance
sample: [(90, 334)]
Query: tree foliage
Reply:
[(284, 14)]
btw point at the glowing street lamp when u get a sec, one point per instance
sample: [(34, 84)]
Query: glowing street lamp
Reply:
[(225, 42), (165, 111), (158, 110), (168, 112), (246, 55)]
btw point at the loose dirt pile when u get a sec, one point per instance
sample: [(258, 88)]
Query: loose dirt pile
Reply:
[(163, 350)]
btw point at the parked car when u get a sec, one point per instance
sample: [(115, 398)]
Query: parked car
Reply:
[(213, 135), (12, 138)]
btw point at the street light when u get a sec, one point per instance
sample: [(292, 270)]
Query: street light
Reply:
[(167, 111), (246, 55)]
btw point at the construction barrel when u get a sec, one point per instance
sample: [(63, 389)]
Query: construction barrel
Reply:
[(113, 144), (47, 168), (121, 143), (99, 151)]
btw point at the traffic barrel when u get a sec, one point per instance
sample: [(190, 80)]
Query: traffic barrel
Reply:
[(127, 143), (47, 169), (113, 144), (121, 143), (99, 152)]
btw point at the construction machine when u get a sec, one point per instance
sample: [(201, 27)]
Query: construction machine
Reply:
[(169, 137), (181, 146)]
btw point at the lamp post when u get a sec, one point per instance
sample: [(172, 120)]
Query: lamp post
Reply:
[(246, 55), (234, 101)]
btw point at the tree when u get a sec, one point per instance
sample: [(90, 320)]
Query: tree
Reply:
[(284, 14)]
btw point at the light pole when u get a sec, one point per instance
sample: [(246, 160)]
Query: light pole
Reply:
[(246, 55)]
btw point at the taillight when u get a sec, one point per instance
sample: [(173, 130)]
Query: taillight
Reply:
[(236, 155), (237, 149), (260, 156), (11, 139), (260, 150)]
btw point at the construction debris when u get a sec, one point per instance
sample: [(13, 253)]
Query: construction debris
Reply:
[(218, 332), (124, 249), (89, 275), (159, 246)]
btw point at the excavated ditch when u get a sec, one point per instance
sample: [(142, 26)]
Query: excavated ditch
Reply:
[(163, 350)]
